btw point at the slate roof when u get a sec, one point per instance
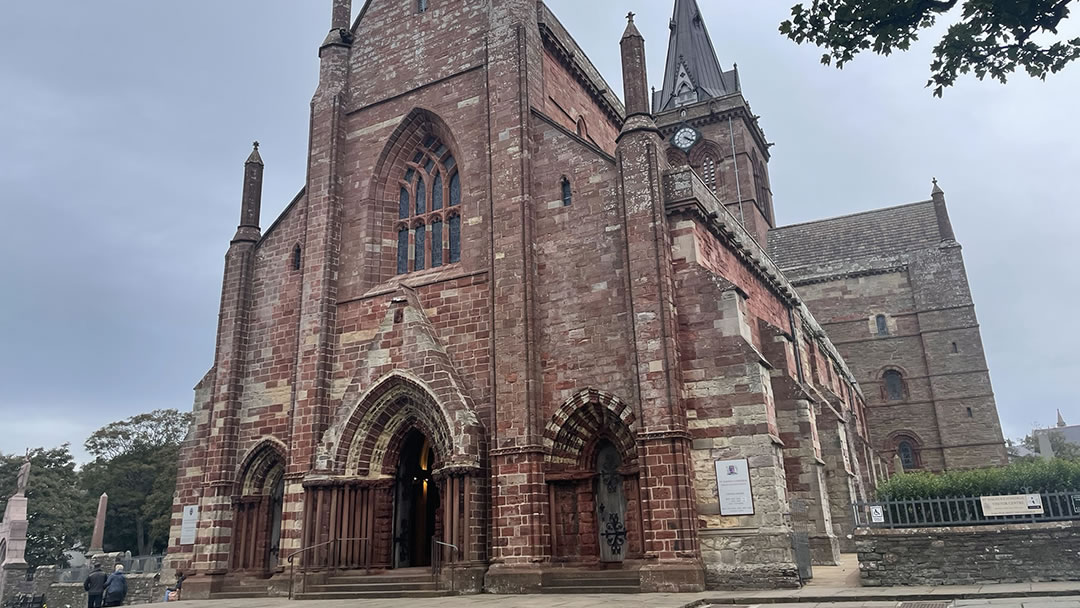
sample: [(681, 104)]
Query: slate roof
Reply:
[(690, 44), (878, 235)]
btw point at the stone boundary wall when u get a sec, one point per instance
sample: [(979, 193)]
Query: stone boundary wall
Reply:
[(974, 555)]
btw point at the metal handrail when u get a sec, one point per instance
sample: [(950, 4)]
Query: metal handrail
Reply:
[(334, 542), (436, 560)]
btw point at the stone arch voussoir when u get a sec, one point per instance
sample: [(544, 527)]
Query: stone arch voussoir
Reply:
[(584, 419)]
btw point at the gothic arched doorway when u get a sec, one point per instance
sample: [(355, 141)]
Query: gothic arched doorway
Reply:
[(257, 512), (416, 502)]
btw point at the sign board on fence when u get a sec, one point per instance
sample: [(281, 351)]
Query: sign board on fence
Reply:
[(1019, 504), (189, 524), (733, 485), (877, 514), (1076, 504)]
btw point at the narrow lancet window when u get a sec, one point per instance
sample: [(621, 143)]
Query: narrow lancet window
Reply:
[(436, 243), (567, 193), (455, 239), (436, 193), (296, 258), (419, 241), (403, 250), (882, 325), (708, 173), (421, 197)]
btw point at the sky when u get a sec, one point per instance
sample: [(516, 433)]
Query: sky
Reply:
[(124, 127)]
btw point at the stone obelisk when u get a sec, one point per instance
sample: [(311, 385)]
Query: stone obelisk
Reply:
[(98, 540), (13, 528)]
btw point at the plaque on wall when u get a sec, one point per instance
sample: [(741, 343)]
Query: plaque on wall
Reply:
[(189, 525), (733, 487)]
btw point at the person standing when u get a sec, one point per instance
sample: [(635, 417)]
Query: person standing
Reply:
[(116, 587), (95, 587)]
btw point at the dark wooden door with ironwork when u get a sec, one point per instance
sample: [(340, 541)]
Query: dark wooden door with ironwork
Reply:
[(610, 504)]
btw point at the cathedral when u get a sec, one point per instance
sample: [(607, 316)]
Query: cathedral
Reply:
[(516, 334)]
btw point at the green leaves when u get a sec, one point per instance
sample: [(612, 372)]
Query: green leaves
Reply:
[(56, 506), (992, 38), (136, 466), (1035, 475)]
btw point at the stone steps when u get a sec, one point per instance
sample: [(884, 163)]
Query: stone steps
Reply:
[(355, 585), (591, 581)]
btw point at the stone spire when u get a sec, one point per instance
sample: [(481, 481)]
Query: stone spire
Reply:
[(944, 223), (1061, 420), (635, 75), (251, 207), (693, 72)]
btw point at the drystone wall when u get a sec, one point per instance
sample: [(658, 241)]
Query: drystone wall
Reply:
[(1015, 553)]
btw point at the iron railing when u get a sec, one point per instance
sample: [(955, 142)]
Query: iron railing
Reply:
[(332, 559), (959, 511), (25, 601)]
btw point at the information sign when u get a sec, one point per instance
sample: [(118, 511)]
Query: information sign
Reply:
[(877, 514), (189, 525), (1019, 504), (733, 485)]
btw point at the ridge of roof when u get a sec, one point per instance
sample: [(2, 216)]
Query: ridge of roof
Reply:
[(850, 215)]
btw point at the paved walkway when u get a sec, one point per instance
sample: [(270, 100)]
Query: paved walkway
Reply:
[(1031, 595)]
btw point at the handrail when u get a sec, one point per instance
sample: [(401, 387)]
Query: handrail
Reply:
[(436, 560), (292, 565)]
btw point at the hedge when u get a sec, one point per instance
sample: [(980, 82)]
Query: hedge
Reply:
[(1029, 476)]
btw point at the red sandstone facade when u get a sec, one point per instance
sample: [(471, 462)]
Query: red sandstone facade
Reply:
[(508, 326)]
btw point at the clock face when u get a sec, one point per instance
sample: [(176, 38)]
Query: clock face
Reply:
[(685, 138)]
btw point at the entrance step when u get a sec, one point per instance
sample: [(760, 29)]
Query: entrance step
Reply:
[(357, 585), (235, 587), (591, 581)]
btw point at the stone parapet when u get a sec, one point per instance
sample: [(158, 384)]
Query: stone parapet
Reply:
[(976, 555)]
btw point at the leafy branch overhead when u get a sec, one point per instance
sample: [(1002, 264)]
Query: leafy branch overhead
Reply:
[(987, 38)]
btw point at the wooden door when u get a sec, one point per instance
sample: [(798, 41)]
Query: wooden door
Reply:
[(610, 505)]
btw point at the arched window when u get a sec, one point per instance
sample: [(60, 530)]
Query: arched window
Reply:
[(955, 348), (567, 193), (582, 128), (429, 190), (882, 325), (906, 450), (296, 258), (894, 385), (708, 172)]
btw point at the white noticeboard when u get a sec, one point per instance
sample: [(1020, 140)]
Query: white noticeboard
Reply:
[(733, 486), (877, 514), (189, 525), (1019, 504)]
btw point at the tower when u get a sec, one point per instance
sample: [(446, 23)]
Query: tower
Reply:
[(708, 123)]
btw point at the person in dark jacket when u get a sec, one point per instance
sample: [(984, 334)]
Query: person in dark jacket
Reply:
[(95, 587), (116, 587)]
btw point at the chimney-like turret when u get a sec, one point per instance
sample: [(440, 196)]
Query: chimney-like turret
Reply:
[(635, 75), (251, 207), (944, 224)]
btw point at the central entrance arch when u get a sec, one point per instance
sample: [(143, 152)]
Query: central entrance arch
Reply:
[(416, 502)]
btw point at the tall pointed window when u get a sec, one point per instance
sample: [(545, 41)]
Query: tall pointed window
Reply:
[(907, 455), (429, 197), (882, 325)]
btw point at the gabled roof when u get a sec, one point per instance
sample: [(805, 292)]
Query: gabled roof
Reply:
[(879, 234), (693, 73)]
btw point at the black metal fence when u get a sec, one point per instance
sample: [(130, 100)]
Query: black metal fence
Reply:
[(960, 511)]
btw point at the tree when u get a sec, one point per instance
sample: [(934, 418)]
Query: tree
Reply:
[(135, 465), (989, 38), (1062, 449), (57, 509)]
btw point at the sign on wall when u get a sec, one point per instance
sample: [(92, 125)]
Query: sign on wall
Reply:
[(733, 486), (189, 525), (1019, 504)]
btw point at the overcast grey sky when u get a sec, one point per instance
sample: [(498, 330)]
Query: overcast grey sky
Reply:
[(124, 125)]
